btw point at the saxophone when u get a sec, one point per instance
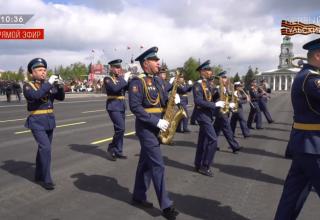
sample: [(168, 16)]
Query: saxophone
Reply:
[(223, 97), (172, 114)]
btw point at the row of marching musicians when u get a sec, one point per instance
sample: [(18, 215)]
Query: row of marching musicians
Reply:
[(149, 101)]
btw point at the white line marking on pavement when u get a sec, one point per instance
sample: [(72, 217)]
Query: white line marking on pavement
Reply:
[(59, 126)]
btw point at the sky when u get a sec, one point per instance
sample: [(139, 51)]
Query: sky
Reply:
[(234, 34)]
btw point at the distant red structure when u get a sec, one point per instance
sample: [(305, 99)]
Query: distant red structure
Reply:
[(97, 71)]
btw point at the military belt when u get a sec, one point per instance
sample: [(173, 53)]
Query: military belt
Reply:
[(115, 97), (306, 127), (154, 110), (41, 112)]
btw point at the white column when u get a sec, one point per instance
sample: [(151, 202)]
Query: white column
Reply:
[(286, 83), (269, 80), (280, 83), (274, 83)]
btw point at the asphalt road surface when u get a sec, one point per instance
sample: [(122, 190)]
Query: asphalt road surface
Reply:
[(88, 186)]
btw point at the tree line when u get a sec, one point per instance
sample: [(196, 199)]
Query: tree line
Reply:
[(80, 71)]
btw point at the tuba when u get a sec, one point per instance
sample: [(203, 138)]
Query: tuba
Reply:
[(223, 97), (300, 61), (173, 114)]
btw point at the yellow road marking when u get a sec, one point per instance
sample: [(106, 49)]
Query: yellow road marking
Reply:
[(110, 139), (59, 126), (18, 119)]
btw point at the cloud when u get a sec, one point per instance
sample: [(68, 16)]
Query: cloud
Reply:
[(181, 29)]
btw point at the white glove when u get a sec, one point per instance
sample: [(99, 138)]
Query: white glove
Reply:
[(190, 82), (220, 104), (177, 99), (171, 80), (232, 104), (126, 76), (163, 124), (200, 81), (235, 94), (53, 79)]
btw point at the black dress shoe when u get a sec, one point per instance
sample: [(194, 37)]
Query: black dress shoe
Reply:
[(144, 204), (170, 213), (47, 186), (270, 122), (121, 157), (235, 150), (218, 149), (260, 128), (250, 127), (206, 172), (111, 156), (247, 136), (196, 169)]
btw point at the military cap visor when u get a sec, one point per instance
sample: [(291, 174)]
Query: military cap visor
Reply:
[(204, 66), (36, 63), (312, 45), (115, 63), (223, 74), (150, 54)]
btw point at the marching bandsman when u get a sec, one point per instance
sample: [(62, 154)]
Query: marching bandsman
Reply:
[(116, 85), (147, 100), (263, 101), (304, 143), (183, 90), (222, 119), (204, 111), (238, 115), (163, 76), (255, 112), (40, 95)]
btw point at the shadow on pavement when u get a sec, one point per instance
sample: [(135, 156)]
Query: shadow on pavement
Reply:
[(107, 186), (20, 168), (203, 208), (89, 149), (261, 152), (248, 173), (176, 164), (277, 129), (268, 138)]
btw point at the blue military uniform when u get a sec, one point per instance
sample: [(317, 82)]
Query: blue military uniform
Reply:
[(204, 112), (183, 90), (255, 112), (263, 104), (147, 100), (222, 122), (304, 143), (239, 115), (41, 120), (115, 88)]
